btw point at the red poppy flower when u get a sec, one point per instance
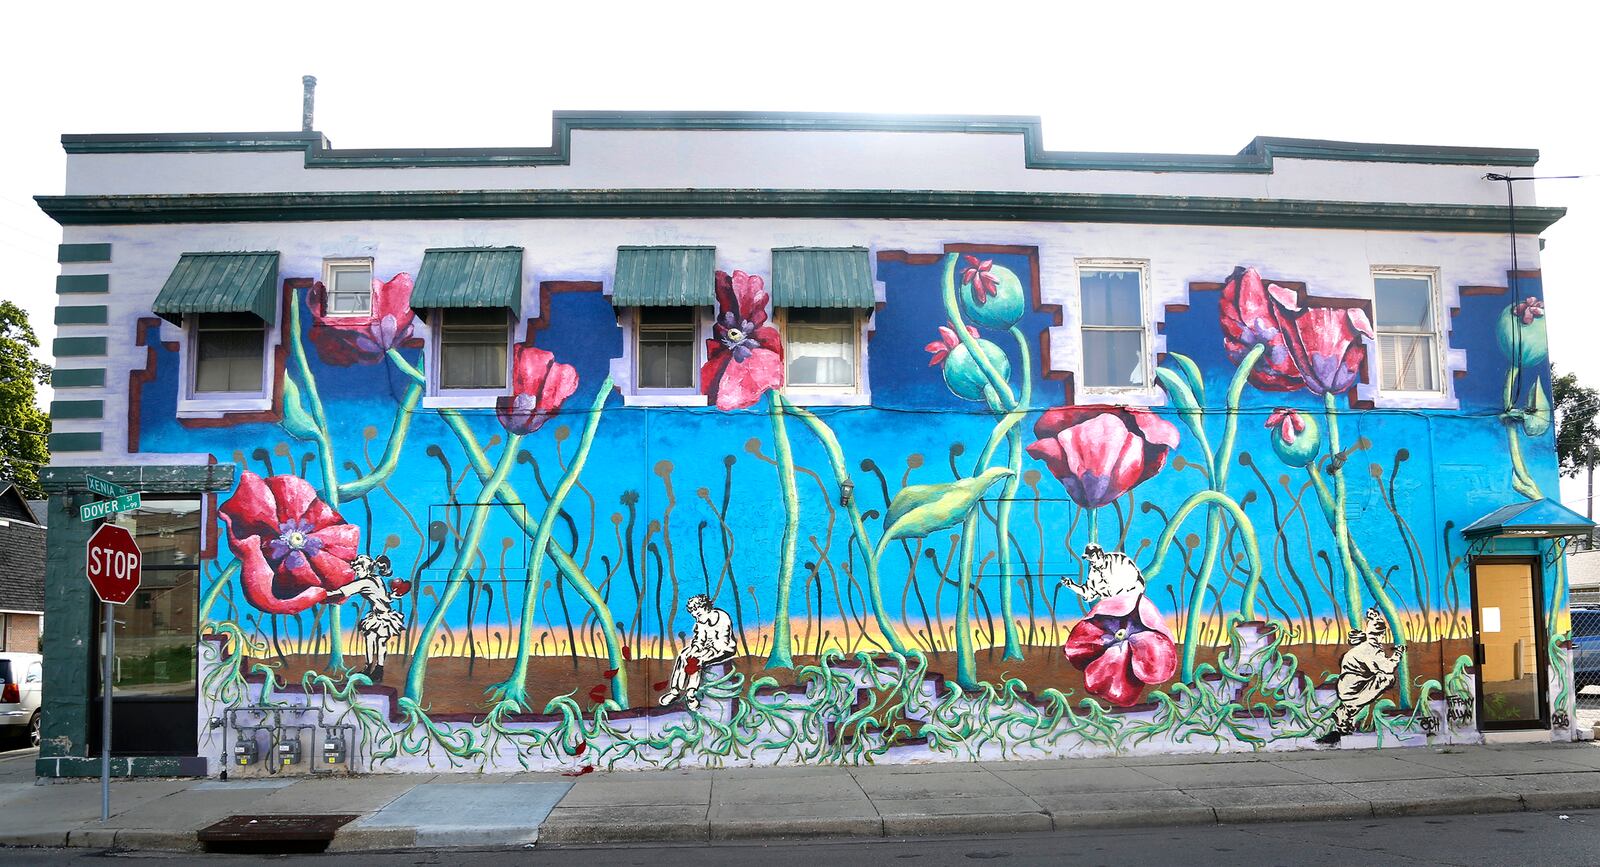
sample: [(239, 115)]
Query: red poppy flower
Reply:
[(744, 358), (1287, 423), (1122, 647), (1248, 321), (292, 547), (1100, 453), (344, 340), (947, 341), (1528, 310), (1324, 342), (976, 274), (539, 385)]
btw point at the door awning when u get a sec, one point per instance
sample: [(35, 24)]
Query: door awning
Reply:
[(220, 283), (1530, 519), (822, 277), (470, 277), (665, 277)]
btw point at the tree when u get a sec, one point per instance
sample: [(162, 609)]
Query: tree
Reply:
[(24, 428)]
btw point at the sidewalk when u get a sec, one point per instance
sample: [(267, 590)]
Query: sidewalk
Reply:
[(468, 810)]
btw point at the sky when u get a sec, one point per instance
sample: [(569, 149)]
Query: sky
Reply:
[(1156, 77)]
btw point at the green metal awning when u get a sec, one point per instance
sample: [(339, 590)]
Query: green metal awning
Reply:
[(821, 277), (665, 277), (1542, 519), (470, 277), (220, 283)]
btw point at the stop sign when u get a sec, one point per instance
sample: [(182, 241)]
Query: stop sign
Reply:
[(113, 564)]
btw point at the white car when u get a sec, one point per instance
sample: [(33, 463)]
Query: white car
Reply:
[(21, 684)]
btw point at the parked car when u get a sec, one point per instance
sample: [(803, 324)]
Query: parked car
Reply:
[(1586, 647), (21, 685)]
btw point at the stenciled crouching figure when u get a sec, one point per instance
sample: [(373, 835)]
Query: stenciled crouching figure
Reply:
[(711, 644), (1366, 671), (382, 623)]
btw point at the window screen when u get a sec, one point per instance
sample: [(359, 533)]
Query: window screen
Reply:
[(472, 349), (666, 347)]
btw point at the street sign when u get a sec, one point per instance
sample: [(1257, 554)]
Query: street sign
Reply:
[(101, 508), (104, 488), (114, 564)]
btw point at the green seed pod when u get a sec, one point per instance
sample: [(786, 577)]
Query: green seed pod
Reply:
[(965, 377)]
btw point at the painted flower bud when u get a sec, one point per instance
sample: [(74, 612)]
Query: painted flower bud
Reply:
[(1521, 332), (991, 295), (965, 377), (1294, 436)]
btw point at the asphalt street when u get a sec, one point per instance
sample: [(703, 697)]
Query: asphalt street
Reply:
[(1512, 839)]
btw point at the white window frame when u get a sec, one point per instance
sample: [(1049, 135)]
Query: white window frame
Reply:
[(332, 266), (637, 395), (437, 396), (195, 403), (1435, 302), (1147, 325), (828, 395)]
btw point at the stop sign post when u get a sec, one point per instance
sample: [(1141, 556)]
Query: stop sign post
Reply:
[(114, 564), (114, 569)]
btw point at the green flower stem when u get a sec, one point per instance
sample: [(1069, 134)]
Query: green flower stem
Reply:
[(1341, 529), (465, 553), (1094, 525), (1191, 627), (515, 687), (508, 497), (1370, 577), (1230, 428), (966, 662), (405, 367), (1521, 480), (330, 468), (391, 452), (869, 556), (781, 656), (953, 311), (1002, 518), (222, 581)]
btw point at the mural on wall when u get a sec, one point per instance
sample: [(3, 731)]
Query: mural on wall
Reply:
[(978, 565)]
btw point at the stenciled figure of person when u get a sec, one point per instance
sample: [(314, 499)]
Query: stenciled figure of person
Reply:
[(382, 623), (1368, 668), (711, 644)]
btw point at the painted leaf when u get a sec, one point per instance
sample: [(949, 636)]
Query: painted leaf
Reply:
[(921, 509), (1183, 398), (611, 673), (597, 694), (627, 653), (296, 420), (1191, 373), (1536, 416), (659, 685)]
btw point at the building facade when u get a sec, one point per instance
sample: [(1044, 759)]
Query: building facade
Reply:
[(699, 440)]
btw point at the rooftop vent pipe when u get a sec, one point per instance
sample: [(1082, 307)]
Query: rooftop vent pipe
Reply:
[(309, 99)]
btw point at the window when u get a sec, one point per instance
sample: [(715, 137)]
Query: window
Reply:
[(665, 354), (1404, 323), (349, 283), (229, 349), (1112, 300), (820, 348), (473, 348), (155, 643)]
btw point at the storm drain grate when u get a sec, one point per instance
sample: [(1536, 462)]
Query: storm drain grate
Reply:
[(273, 833)]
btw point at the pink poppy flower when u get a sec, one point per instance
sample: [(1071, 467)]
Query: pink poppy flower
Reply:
[(292, 547), (1100, 453), (1122, 647), (539, 386), (976, 274), (344, 340), (1248, 321), (1287, 423), (1528, 310), (1324, 342), (744, 358), (940, 349)]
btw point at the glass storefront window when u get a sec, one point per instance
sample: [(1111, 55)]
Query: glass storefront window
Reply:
[(156, 629)]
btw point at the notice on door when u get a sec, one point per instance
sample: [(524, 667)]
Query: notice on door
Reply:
[(1489, 619)]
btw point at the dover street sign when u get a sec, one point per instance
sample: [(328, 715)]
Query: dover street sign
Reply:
[(101, 508)]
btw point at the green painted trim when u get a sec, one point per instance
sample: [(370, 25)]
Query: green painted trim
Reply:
[(121, 766), (60, 409), (78, 377), (69, 347), (1256, 157), (70, 615), (83, 253), (84, 314), (76, 441), (995, 205), (148, 478), (74, 283)]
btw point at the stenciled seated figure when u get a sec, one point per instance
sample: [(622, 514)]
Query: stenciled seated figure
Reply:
[(711, 644)]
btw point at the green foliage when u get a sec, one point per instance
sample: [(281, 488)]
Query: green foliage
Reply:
[(921, 509), (296, 420), (1577, 429), (24, 427)]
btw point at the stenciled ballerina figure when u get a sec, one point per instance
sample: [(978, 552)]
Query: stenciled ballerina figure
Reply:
[(382, 623)]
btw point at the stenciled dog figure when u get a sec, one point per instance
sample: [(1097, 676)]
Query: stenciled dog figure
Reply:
[(712, 643), (1111, 573), (1368, 668)]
